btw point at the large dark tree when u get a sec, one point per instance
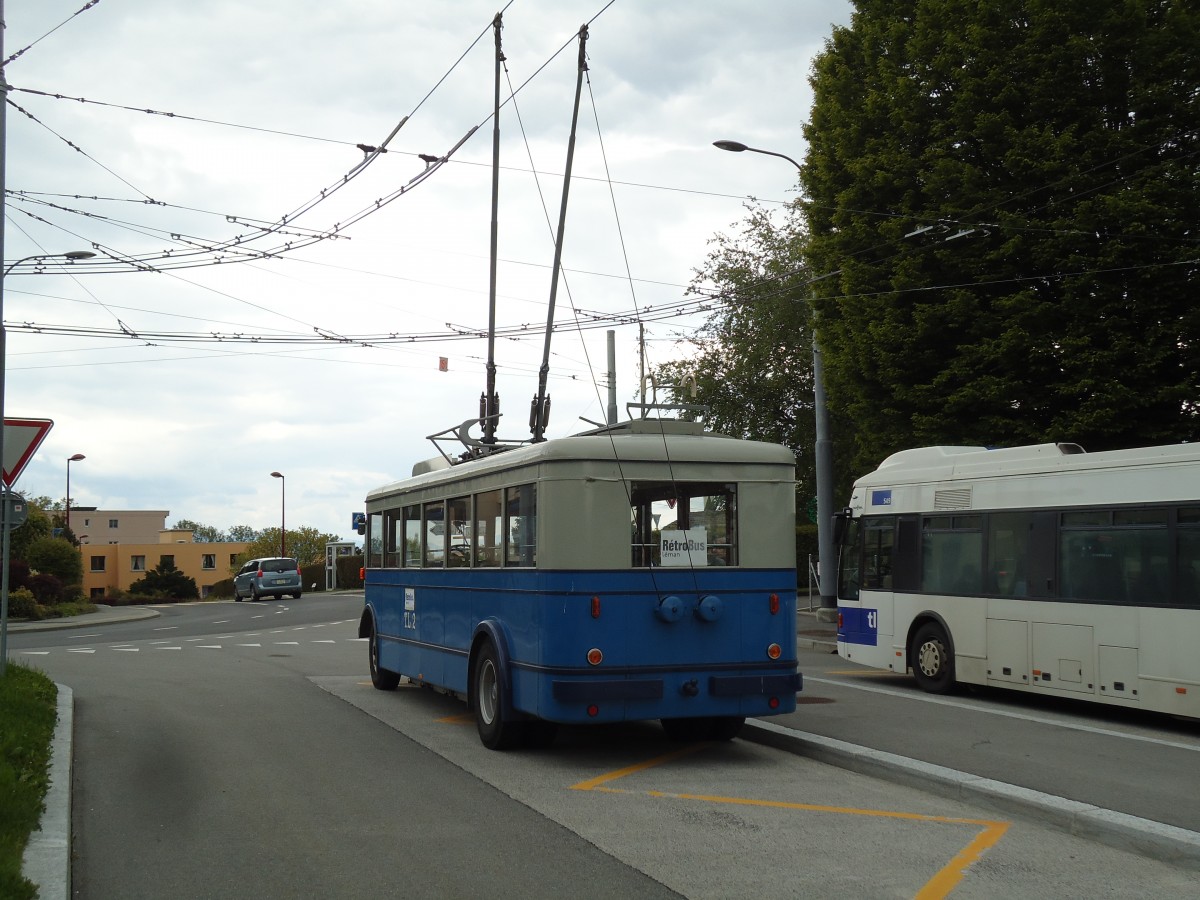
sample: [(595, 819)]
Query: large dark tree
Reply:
[(1009, 193)]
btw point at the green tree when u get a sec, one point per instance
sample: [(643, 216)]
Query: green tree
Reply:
[(242, 533), (1007, 195), (752, 359), (306, 545), (202, 534), (164, 580), (55, 556), (37, 525)]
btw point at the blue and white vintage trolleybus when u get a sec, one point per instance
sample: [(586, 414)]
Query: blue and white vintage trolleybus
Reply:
[(1041, 569), (639, 571)]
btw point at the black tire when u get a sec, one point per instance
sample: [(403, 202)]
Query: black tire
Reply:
[(382, 679), (726, 728), (488, 693), (236, 596), (932, 660), (255, 596), (688, 731), (295, 596)]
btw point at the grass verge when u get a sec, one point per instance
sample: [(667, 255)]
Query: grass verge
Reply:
[(28, 711)]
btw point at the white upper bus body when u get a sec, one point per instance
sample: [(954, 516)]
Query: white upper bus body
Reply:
[(1040, 568)]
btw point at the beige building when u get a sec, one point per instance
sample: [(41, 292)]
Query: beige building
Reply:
[(118, 564), (117, 526)]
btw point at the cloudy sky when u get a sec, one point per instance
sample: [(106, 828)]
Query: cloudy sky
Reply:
[(261, 300)]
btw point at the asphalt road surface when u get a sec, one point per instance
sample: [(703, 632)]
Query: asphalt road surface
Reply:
[(238, 750)]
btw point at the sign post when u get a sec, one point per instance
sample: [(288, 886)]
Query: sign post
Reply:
[(21, 439)]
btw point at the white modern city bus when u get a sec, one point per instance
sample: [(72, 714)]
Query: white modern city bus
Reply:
[(1043, 569)]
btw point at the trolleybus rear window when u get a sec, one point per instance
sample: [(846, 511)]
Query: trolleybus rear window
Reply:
[(697, 522)]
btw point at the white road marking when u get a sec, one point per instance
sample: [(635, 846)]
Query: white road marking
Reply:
[(208, 646), (287, 643), (167, 628), (80, 650)]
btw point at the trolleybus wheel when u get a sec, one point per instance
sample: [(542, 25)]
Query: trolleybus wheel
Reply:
[(487, 701), (382, 679), (932, 662)]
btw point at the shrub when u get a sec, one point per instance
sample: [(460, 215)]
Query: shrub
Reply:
[(47, 589), (18, 574), (223, 588), (313, 574), (348, 572), (23, 605), (165, 582), (54, 556)]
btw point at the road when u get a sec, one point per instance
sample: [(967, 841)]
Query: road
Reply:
[(219, 754)]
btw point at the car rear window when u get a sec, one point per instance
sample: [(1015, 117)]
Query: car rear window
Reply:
[(278, 565)]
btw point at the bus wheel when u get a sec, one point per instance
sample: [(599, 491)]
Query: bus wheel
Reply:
[(726, 728), (381, 678), (487, 701), (932, 663), (689, 730)]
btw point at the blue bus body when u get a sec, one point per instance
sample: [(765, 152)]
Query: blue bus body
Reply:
[(592, 619)]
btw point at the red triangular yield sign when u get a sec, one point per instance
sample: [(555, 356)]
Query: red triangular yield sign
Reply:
[(22, 437)]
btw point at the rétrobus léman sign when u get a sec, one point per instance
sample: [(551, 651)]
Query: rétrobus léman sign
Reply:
[(684, 548)]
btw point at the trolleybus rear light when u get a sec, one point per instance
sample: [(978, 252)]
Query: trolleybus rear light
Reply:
[(773, 702), (773, 602), (1181, 690), (593, 710), (595, 607), (595, 657), (774, 651)]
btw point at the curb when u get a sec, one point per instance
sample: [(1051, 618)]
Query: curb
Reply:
[(1155, 840), (110, 616), (47, 858)]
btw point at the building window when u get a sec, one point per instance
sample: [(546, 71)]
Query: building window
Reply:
[(112, 523), (233, 559), (167, 560), (208, 561), (137, 563), (97, 593), (97, 563), (87, 522)]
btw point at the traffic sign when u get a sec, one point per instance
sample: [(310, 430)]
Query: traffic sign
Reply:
[(22, 437)]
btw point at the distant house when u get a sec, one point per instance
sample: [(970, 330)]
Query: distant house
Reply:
[(119, 546)]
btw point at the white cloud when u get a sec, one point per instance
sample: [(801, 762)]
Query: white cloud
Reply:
[(196, 427)]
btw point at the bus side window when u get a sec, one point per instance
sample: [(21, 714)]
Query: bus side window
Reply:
[(1187, 544), (374, 540), (879, 542), (520, 525)]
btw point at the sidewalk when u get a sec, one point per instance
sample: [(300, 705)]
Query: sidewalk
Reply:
[(104, 615)]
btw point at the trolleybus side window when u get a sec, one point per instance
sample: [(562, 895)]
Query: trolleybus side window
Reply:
[(1115, 556), (707, 510), (1187, 550), (879, 541), (393, 537), (488, 529), (520, 525), (458, 526), (435, 535), (412, 537), (1008, 554), (952, 555), (374, 540)]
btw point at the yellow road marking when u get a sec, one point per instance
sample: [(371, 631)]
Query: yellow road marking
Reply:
[(938, 887), (459, 719)]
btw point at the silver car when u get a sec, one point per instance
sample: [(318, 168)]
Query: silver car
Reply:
[(272, 577)]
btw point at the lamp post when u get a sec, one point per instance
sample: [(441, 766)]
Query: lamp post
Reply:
[(70, 459), (823, 450), (282, 512), (4, 495)]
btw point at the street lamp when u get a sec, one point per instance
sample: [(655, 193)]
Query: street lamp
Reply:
[(823, 451), (4, 494), (70, 459), (282, 512)]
